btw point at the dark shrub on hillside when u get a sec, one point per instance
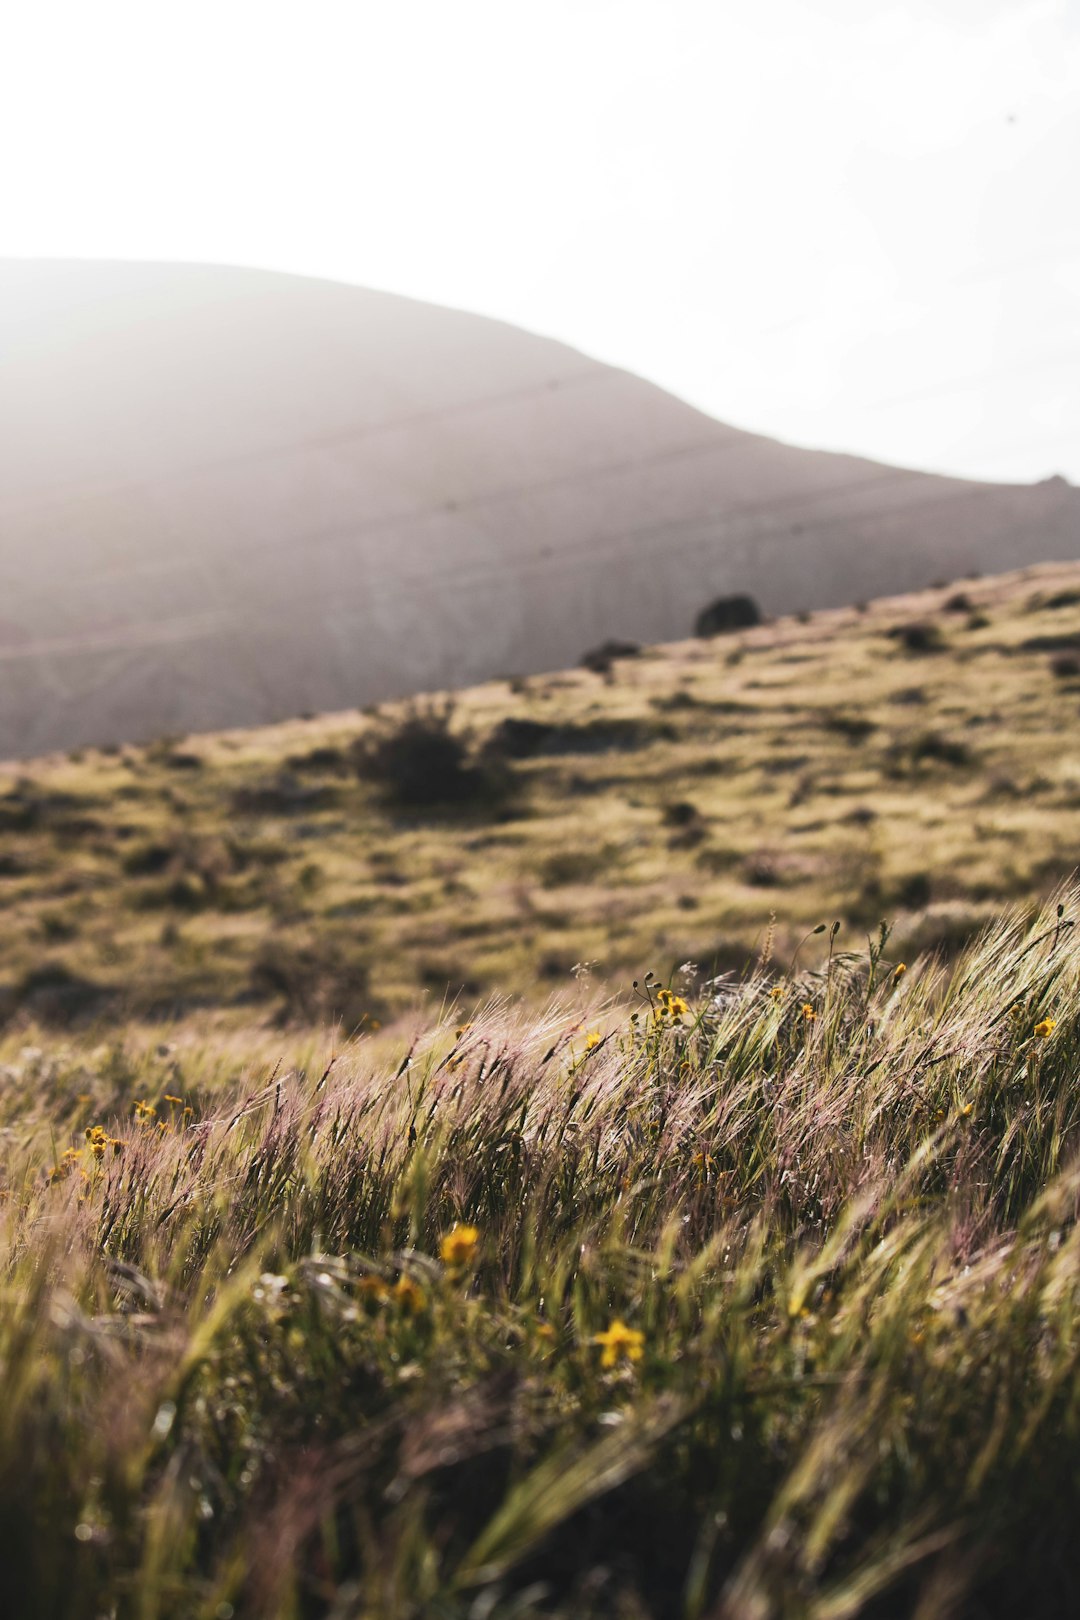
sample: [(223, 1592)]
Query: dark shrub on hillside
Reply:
[(931, 745), (515, 738), (918, 637), (958, 602), (421, 762), (321, 758), (927, 748), (1065, 665), (914, 891), (600, 659), (727, 613), (310, 981), (687, 825), (149, 860), (520, 739), (284, 795), (855, 727), (571, 866), (53, 994), (1052, 644)]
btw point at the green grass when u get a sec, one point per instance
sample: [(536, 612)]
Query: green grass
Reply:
[(838, 1207), (809, 771)]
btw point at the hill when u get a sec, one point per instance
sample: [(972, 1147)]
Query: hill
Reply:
[(227, 497), (702, 801)]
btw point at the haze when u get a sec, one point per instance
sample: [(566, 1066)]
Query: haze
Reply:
[(849, 225)]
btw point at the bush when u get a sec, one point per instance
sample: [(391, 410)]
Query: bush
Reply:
[(420, 762), (310, 982), (918, 637), (854, 727), (600, 659), (727, 613)]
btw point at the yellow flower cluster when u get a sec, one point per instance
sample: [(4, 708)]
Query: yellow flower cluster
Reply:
[(620, 1343), (98, 1140), (1045, 1027), (458, 1246), (671, 1007), (404, 1293)]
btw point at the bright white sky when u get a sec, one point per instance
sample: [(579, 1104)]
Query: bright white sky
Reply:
[(849, 223)]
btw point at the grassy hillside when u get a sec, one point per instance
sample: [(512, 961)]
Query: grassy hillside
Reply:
[(763, 1305), (700, 802)]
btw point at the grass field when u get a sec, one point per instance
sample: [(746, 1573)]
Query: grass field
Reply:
[(761, 1303), (734, 1277), (908, 761)]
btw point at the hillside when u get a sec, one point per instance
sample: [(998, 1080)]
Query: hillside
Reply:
[(227, 497), (701, 802)]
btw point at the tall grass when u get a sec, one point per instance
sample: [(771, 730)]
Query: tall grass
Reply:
[(765, 1306)]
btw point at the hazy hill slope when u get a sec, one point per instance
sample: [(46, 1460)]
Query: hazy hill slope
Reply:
[(229, 496), (911, 763)]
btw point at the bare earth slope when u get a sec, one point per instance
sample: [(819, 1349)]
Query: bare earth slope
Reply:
[(229, 496)]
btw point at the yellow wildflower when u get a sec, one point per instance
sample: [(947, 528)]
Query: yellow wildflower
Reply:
[(899, 970), (808, 1012), (457, 1247), (620, 1342), (409, 1295), (373, 1288), (669, 1006), (777, 992), (592, 1040), (1045, 1027)]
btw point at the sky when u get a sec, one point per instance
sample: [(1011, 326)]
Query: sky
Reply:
[(848, 223)]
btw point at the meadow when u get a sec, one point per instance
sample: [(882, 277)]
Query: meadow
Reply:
[(762, 1302), (361, 1258)]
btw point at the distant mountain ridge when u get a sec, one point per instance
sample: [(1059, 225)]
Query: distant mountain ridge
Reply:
[(229, 496)]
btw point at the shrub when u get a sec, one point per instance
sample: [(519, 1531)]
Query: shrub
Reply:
[(572, 866), (918, 637), (855, 727), (727, 613), (927, 748), (600, 659), (419, 761), (311, 982)]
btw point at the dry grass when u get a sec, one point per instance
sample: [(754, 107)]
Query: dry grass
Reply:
[(773, 1309), (813, 770)]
